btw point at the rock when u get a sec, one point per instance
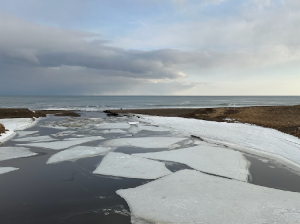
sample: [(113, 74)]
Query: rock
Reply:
[(2, 128)]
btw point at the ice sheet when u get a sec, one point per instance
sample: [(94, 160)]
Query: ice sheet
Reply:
[(7, 153), (112, 125), (249, 138), (148, 142), (45, 138), (192, 197), (208, 159), (15, 124), (25, 133), (77, 152), (124, 165), (152, 128), (58, 145), (7, 169)]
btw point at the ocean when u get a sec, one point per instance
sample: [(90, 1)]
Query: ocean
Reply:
[(100, 103)]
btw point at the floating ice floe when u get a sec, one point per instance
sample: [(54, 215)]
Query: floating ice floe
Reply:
[(66, 143), (15, 124), (257, 140), (63, 133), (7, 169), (124, 165), (7, 153), (208, 159), (112, 125), (116, 131), (152, 128), (148, 142), (133, 122), (192, 197), (25, 133), (45, 138), (77, 152)]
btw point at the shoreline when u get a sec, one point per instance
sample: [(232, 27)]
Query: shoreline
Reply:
[(285, 119)]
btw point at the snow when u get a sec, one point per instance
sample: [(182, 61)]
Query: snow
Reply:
[(35, 139), (58, 145), (7, 169), (25, 133), (77, 152), (124, 165), (7, 153), (15, 124), (208, 159), (147, 142), (252, 139), (133, 122), (112, 125), (192, 197), (152, 128)]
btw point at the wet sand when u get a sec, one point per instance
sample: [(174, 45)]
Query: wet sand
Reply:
[(282, 118)]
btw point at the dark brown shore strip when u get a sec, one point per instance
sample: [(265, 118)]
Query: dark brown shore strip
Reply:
[(282, 118), (26, 113)]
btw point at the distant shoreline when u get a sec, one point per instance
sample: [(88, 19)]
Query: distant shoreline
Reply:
[(282, 118)]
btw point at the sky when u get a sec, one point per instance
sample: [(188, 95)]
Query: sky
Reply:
[(149, 47)]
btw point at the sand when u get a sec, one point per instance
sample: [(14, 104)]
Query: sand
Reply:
[(282, 118)]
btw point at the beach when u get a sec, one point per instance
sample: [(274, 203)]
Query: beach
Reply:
[(73, 167), (282, 118)]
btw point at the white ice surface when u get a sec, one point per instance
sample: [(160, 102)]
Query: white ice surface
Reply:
[(117, 131), (147, 142), (124, 165), (25, 133), (152, 128), (7, 153), (58, 145), (208, 159), (112, 125), (77, 152), (249, 138), (45, 138), (15, 124), (133, 122), (193, 197), (7, 169)]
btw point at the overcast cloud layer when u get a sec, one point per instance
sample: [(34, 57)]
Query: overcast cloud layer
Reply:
[(209, 47)]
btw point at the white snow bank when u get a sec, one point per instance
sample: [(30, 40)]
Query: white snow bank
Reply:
[(15, 124), (148, 142), (45, 138), (7, 153), (58, 145), (25, 133), (244, 137), (123, 165), (112, 125), (209, 159), (192, 197), (7, 169), (77, 152)]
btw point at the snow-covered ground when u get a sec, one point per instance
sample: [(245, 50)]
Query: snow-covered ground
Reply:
[(15, 124), (248, 138), (189, 196)]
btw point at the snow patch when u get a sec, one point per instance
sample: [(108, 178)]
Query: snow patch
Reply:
[(208, 159), (123, 165), (77, 152), (192, 197), (58, 145), (7, 153), (7, 169), (147, 142)]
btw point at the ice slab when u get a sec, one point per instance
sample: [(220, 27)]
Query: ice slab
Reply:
[(112, 125), (45, 138), (189, 196), (208, 159), (117, 131), (63, 133), (152, 128), (148, 142), (124, 165), (25, 133), (15, 124), (77, 152), (58, 145), (133, 122), (7, 169), (7, 153), (244, 137)]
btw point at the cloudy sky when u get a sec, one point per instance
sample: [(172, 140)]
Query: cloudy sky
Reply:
[(150, 47)]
